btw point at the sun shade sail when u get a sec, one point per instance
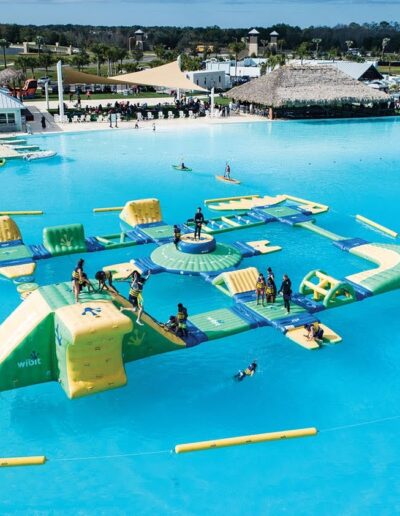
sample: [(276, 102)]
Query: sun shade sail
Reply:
[(164, 76), (71, 76)]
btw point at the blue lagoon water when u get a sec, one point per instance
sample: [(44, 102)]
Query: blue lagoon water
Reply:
[(110, 453)]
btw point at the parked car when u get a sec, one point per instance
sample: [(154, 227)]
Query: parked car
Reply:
[(42, 81)]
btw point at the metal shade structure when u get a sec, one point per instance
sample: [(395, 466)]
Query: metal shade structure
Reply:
[(164, 76)]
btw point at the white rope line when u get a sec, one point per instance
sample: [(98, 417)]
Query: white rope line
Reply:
[(365, 423), (118, 456)]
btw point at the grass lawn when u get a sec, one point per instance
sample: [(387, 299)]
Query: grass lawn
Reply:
[(394, 70)]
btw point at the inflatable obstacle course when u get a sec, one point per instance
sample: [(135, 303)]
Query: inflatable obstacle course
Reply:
[(330, 291), (83, 346)]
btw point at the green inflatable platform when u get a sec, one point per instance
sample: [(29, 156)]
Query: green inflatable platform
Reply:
[(223, 257), (60, 240), (219, 323)]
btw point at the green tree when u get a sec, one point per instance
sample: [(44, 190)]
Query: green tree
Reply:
[(236, 47), (99, 51), (332, 54), (39, 42), (4, 44), (385, 43), (159, 51), (31, 62), (46, 59), (302, 51), (137, 54), (80, 60), (20, 63), (317, 42)]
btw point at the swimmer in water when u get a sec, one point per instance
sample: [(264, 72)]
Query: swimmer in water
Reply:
[(249, 371)]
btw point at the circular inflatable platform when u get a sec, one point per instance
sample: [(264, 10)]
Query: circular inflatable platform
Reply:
[(188, 244), (223, 257)]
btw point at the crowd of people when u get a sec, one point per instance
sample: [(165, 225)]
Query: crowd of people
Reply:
[(129, 110)]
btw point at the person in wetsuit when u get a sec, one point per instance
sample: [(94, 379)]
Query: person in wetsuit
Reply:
[(177, 235), (249, 371), (198, 223), (286, 291)]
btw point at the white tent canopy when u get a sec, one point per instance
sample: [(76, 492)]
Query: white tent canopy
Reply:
[(164, 76)]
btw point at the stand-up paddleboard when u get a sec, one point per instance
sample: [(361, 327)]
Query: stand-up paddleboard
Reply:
[(178, 167), (227, 180)]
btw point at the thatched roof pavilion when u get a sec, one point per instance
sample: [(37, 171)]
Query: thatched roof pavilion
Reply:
[(295, 90)]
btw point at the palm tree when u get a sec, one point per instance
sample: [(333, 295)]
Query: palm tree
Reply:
[(39, 42), (98, 50), (302, 51), (31, 62), (317, 42), (349, 44), (20, 62), (45, 59), (385, 43), (137, 54), (236, 47), (4, 44), (80, 60)]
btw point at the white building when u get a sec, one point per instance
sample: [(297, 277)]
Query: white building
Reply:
[(217, 79), (11, 119)]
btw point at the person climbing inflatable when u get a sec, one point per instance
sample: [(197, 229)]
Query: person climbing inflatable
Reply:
[(249, 371), (315, 332), (80, 280)]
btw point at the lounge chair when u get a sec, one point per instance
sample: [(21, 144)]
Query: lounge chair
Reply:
[(181, 114), (150, 115), (88, 118), (99, 118), (191, 115), (75, 119), (170, 115), (139, 117), (160, 115)]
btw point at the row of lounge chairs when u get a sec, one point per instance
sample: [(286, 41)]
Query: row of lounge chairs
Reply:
[(139, 117)]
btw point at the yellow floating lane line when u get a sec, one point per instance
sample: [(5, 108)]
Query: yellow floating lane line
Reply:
[(22, 461), (245, 439), (375, 225), (112, 208), (33, 212)]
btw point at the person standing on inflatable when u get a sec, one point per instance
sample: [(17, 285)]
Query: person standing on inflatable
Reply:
[(198, 223), (227, 173)]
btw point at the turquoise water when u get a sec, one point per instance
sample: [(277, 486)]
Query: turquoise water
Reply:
[(110, 453)]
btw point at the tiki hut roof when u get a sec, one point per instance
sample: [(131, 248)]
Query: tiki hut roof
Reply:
[(302, 85)]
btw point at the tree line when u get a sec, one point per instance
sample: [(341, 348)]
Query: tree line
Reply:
[(367, 37)]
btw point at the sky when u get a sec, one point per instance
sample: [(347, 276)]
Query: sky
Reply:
[(225, 13)]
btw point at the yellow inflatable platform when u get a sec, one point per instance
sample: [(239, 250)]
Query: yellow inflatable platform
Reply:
[(9, 230), (142, 211), (237, 282), (299, 336)]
